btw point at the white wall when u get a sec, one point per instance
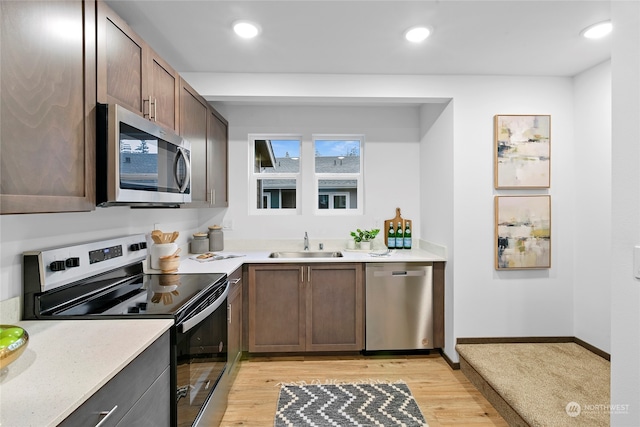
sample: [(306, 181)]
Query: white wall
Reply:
[(592, 198), (391, 167), (436, 204), (625, 289), (490, 303)]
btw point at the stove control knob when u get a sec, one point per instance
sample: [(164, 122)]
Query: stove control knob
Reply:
[(133, 310), (57, 266), (142, 306), (143, 245), (72, 262), (134, 247)]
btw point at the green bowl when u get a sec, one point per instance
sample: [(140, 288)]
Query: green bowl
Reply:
[(13, 342)]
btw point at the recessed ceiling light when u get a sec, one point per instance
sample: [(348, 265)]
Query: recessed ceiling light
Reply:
[(597, 31), (246, 29), (417, 34)]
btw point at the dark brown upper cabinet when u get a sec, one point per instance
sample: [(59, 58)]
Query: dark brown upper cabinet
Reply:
[(217, 142), (207, 131), (47, 106), (131, 73)]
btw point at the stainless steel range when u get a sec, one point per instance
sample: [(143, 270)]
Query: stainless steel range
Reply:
[(106, 279)]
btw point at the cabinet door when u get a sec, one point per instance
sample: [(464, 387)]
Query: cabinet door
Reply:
[(235, 322), (142, 387), (47, 106), (218, 138), (334, 318), (193, 127), (152, 408), (276, 308), (163, 90), (120, 62), (438, 304)]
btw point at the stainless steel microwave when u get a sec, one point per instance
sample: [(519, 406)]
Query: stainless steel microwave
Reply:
[(139, 163)]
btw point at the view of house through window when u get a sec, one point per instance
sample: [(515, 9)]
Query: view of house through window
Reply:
[(334, 173), (337, 171), (277, 169)]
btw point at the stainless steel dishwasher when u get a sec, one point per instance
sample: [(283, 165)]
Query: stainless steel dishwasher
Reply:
[(399, 306)]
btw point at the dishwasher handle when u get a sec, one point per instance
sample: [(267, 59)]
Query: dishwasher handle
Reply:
[(400, 273)]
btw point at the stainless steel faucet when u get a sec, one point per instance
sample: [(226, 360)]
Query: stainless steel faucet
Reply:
[(306, 241)]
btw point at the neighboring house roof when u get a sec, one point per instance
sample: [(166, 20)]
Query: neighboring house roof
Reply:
[(342, 164), (272, 184), (265, 151), (324, 164)]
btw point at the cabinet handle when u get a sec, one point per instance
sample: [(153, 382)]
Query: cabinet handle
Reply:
[(154, 102), (234, 281), (229, 313), (148, 113), (302, 270), (105, 415), (309, 274)]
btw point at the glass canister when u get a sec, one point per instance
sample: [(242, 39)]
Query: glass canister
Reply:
[(216, 238), (199, 244)]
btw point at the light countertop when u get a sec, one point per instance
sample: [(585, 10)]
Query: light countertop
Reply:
[(66, 362), (189, 265)]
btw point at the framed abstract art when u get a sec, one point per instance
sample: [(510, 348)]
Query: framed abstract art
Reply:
[(522, 232), (522, 157)]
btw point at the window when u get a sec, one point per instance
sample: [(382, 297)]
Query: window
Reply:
[(333, 201), (338, 173), (276, 172), (332, 171)]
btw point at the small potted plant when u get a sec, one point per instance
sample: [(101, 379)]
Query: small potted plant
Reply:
[(364, 237)]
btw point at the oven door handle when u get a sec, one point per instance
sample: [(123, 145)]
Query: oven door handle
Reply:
[(193, 321)]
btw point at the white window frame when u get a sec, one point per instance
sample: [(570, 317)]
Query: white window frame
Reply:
[(255, 176), (268, 197), (358, 177)]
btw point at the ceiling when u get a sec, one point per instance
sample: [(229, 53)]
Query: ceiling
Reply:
[(474, 37)]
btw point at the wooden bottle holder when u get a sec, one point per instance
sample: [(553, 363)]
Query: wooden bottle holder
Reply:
[(395, 221)]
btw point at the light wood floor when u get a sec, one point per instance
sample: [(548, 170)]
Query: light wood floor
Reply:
[(445, 396)]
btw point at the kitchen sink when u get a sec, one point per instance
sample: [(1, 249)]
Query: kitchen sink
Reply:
[(305, 254)]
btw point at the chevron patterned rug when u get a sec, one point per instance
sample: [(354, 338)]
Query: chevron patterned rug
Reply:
[(361, 405)]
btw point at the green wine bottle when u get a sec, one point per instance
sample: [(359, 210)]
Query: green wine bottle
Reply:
[(407, 235), (391, 237), (399, 236)]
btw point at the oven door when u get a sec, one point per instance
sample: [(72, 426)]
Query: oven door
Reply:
[(201, 355)]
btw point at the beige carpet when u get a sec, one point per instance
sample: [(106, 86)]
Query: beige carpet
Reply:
[(558, 384)]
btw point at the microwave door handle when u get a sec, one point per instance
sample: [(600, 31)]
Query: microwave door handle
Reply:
[(185, 184)]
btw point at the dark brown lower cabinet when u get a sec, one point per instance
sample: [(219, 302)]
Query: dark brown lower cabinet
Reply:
[(140, 394), (305, 307)]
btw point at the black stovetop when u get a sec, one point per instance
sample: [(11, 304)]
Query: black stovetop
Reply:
[(120, 294)]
